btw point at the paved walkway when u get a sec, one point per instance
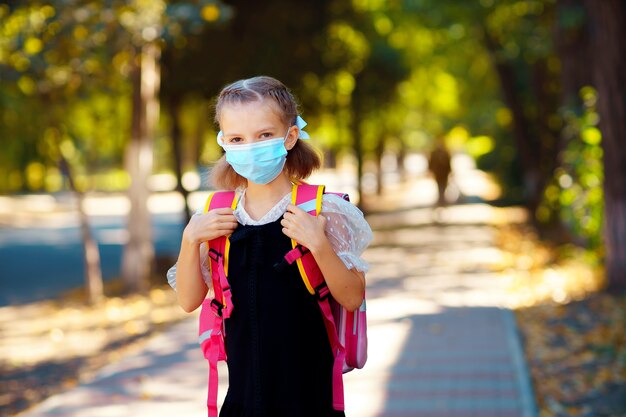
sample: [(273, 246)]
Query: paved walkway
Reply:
[(442, 342)]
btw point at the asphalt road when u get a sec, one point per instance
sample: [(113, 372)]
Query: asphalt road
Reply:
[(45, 259)]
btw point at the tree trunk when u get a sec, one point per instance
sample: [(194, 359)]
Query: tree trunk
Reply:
[(608, 32), (357, 145), (572, 45), (94, 288), (330, 158), (198, 144), (176, 137), (529, 150), (380, 149), (138, 258), (547, 103), (400, 157)]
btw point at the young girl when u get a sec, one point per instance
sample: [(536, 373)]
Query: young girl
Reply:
[(264, 153)]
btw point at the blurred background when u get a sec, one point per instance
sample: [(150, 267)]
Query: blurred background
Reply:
[(420, 108)]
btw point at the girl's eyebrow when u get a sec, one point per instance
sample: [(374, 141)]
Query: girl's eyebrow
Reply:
[(269, 128)]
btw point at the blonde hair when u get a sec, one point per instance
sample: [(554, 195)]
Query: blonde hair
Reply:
[(302, 159)]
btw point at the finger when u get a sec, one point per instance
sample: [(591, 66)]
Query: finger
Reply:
[(221, 217), (287, 232), (226, 218), (294, 209), (222, 210), (218, 233), (214, 235), (225, 226)]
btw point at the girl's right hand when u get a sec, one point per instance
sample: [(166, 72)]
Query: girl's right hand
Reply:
[(211, 225)]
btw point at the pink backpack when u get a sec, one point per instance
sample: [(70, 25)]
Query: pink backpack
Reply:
[(347, 331)]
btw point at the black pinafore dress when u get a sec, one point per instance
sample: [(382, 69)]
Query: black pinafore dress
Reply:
[(279, 357)]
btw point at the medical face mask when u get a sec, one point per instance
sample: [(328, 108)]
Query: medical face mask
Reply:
[(259, 162)]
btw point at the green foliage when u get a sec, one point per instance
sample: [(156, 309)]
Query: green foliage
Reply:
[(575, 192), (409, 75), (65, 66), (414, 69)]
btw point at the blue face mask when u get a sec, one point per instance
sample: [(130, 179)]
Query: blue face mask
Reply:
[(259, 162)]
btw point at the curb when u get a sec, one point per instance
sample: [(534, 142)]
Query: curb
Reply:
[(524, 381)]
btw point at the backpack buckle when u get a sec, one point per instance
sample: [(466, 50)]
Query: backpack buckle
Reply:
[(322, 292), (217, 307), (296, 253), (214, 255), (303, 250)]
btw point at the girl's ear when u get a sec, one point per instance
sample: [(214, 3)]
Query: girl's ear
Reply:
[(292, 137)]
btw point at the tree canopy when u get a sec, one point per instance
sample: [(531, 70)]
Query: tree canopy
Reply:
[(516, 84)]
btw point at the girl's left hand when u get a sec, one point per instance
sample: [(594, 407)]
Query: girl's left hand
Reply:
[(307, 230)]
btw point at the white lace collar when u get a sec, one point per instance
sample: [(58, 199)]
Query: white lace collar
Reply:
[(272, 215)]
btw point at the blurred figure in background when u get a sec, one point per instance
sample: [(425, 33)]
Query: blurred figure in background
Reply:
[(439, 165)]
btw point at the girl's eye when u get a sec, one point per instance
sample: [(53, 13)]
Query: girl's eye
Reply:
[(266, 135), (235, 140)]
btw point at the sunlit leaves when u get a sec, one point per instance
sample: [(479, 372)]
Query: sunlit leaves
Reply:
[(383, 24), (185, 18), (421, 44), (504, 117), (576, 354), (19, 35), (591, 135), (371, 5), (346, 47), (143, 19), (538, 273), (33, 46), (514, 23), (210, 12), (73, 56), (576, 191), (26, 85), (479, 146), (345, 83), (432, 92), (447, 100), (35, 174)]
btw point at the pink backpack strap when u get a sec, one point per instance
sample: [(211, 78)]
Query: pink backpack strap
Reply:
[(309, 198), (221, 306), (218, 253)]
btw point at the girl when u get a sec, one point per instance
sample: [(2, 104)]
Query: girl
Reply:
[(264, 153)]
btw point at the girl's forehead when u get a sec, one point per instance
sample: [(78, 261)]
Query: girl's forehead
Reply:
[(254, 113)]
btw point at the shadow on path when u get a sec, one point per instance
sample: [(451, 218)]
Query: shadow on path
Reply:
[(464, 361), (166, 377)]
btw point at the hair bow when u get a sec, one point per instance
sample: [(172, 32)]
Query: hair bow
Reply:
[(301, 124)]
